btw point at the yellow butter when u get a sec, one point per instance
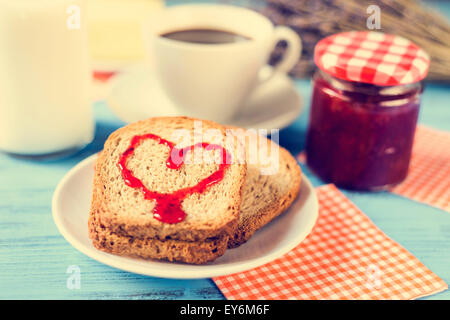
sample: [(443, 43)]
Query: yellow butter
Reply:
[(115, 29)]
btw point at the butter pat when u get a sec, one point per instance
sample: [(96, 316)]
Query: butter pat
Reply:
[(115, 30)]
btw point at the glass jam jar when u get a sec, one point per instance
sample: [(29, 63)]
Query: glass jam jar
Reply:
[(362, 120)]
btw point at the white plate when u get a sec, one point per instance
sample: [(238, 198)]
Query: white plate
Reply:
[(70, 207), (136, 95)]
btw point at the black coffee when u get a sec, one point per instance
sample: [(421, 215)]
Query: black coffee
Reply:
[(205, 36)]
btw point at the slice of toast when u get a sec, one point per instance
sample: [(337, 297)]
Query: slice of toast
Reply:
[(125, 211), (270, 187)]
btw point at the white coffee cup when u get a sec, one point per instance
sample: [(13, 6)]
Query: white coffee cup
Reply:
[(211, 81)]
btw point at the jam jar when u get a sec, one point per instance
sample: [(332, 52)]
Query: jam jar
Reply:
[(364, 109)]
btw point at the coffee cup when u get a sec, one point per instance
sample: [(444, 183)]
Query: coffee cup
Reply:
[(208, 58)]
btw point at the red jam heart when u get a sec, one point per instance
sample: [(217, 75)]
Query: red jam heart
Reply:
[(168, 205)]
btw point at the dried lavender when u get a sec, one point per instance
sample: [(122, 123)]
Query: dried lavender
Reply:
[(315, 19)]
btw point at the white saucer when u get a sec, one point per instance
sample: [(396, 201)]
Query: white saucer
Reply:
[(71, 202), (135, 95)]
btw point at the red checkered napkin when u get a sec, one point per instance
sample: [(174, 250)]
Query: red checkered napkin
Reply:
[(345, 257), (428, 178)]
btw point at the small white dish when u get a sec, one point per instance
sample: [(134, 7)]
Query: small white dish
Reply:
[(136, 95), (71, 202)]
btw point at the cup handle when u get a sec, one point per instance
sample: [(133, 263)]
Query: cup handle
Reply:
[(291, 55)]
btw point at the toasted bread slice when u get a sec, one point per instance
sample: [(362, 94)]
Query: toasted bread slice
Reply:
[(212, 214), (268, 192)]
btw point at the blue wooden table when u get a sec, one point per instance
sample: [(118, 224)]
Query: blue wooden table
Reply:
[(34, 257)]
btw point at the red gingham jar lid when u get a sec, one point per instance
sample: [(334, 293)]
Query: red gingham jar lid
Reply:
[(371, 57)]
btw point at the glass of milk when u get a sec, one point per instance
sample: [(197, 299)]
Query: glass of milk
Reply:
[(45, 77)]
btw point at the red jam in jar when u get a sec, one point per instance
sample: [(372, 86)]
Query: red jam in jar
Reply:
[(362, 124)]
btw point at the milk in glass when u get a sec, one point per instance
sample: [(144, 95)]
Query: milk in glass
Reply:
[(44, 77)]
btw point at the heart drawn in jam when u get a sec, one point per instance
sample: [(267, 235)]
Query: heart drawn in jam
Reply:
[(168, 205)]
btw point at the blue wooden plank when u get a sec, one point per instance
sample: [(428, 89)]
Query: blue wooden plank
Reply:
[(34, 257)]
